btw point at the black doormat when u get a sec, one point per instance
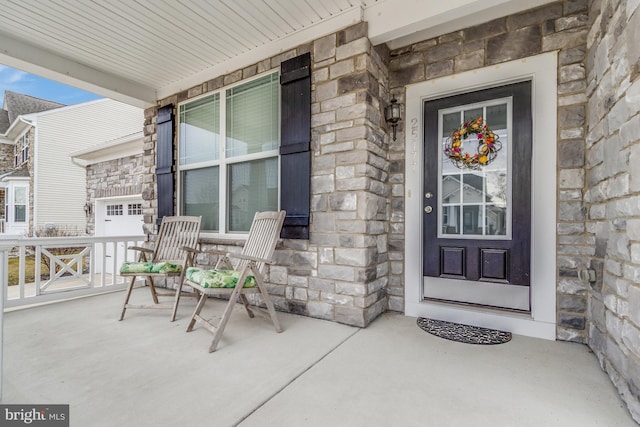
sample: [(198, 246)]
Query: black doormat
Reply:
[(463, 333)]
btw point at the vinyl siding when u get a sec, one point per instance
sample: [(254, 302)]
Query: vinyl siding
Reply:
[(61, 183)]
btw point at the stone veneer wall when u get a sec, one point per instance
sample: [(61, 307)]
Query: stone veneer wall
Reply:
[(560, 26), (341, 272), (6, 164), (118, 177), (612, 194), (6, 157)]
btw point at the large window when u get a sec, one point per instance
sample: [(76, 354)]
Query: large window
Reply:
[(228, 155)]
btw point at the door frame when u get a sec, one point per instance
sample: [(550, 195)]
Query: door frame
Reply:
[(542, 71)]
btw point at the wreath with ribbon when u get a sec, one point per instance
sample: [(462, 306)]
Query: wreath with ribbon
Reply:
[(486, 150)]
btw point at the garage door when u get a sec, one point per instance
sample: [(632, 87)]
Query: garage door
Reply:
[(117, 217)]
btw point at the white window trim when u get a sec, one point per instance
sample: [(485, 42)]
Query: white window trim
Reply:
[(222, 161), (19, 154), (10, 204), (542, 71)]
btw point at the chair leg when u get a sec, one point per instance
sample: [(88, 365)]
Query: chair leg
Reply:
[(270, 308), (152, 289), (201, 301), (245, 301), (177, 297), (126, 300), (225, 317)]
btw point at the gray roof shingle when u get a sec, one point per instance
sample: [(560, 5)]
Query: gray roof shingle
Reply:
[(17, 104), (4, 121)]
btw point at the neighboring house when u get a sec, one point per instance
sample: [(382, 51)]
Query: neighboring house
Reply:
[(114, 173), (16, 137), (44, 188)]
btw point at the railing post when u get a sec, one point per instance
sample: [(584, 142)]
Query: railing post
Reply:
[(6, 244)]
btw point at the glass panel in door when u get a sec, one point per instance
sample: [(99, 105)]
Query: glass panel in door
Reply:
[(475, 203)]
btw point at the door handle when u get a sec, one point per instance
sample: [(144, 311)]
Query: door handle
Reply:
[(428, 209)]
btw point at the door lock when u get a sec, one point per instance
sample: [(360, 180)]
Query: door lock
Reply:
[(428, 195), (428, 209)]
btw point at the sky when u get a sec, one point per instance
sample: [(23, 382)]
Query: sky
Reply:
[(29, 84)]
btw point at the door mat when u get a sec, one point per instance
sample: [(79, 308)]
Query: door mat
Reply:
[(463, 333)]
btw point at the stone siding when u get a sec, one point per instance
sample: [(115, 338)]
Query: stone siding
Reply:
[(341, 272), (560, 26), (612, 199), (6, 157), (6, 165), (113, 178)]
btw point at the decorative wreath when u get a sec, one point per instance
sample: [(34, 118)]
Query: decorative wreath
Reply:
[(487, 149)]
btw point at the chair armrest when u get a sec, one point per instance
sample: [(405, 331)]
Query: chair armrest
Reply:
[(141, 249), (247, 257)]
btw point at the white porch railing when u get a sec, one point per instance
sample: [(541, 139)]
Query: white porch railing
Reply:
[(69, 266)]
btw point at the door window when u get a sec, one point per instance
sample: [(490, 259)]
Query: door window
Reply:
[(475, 203), (114, 210)]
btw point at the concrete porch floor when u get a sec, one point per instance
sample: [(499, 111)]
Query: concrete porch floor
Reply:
[(146, 371)]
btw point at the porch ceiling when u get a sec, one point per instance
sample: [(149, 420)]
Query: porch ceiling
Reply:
[(140, 51)]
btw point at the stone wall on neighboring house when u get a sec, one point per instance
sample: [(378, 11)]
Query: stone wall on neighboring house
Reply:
[(341, 272), (6, 164), (613, 192), (560, 26), (114, 178), (6, 157)]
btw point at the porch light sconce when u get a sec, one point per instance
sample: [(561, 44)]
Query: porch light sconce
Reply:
[(392, 115), (87, 209)]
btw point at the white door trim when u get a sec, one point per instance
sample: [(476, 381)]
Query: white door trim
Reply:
[(542, 70)]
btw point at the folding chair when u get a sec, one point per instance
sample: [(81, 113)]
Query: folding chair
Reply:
[(242, 278), (175, 248)]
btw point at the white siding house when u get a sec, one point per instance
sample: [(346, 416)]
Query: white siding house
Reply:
[(58, 182)]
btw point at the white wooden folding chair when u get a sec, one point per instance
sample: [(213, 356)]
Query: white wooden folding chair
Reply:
[(175, 248), (243, 277)]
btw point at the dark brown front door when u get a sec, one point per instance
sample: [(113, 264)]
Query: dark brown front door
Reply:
[(477, 221)]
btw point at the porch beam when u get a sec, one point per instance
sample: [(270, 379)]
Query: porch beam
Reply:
[(402, 22), (36, 60)]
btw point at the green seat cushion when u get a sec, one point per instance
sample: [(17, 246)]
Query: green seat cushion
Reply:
[(150, 267), (217, 278)]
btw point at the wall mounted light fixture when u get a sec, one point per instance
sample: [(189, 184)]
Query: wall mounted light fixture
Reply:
[(87, 209), (392, 115)]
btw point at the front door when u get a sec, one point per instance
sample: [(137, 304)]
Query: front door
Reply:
[(477, 201)]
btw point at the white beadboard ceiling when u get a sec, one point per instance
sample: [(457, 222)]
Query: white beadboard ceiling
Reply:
[(138, 51)]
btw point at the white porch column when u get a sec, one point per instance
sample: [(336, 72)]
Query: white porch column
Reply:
[(6, 244)]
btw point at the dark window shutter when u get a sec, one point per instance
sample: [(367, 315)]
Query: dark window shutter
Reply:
[(295, 154), (164, 161)]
